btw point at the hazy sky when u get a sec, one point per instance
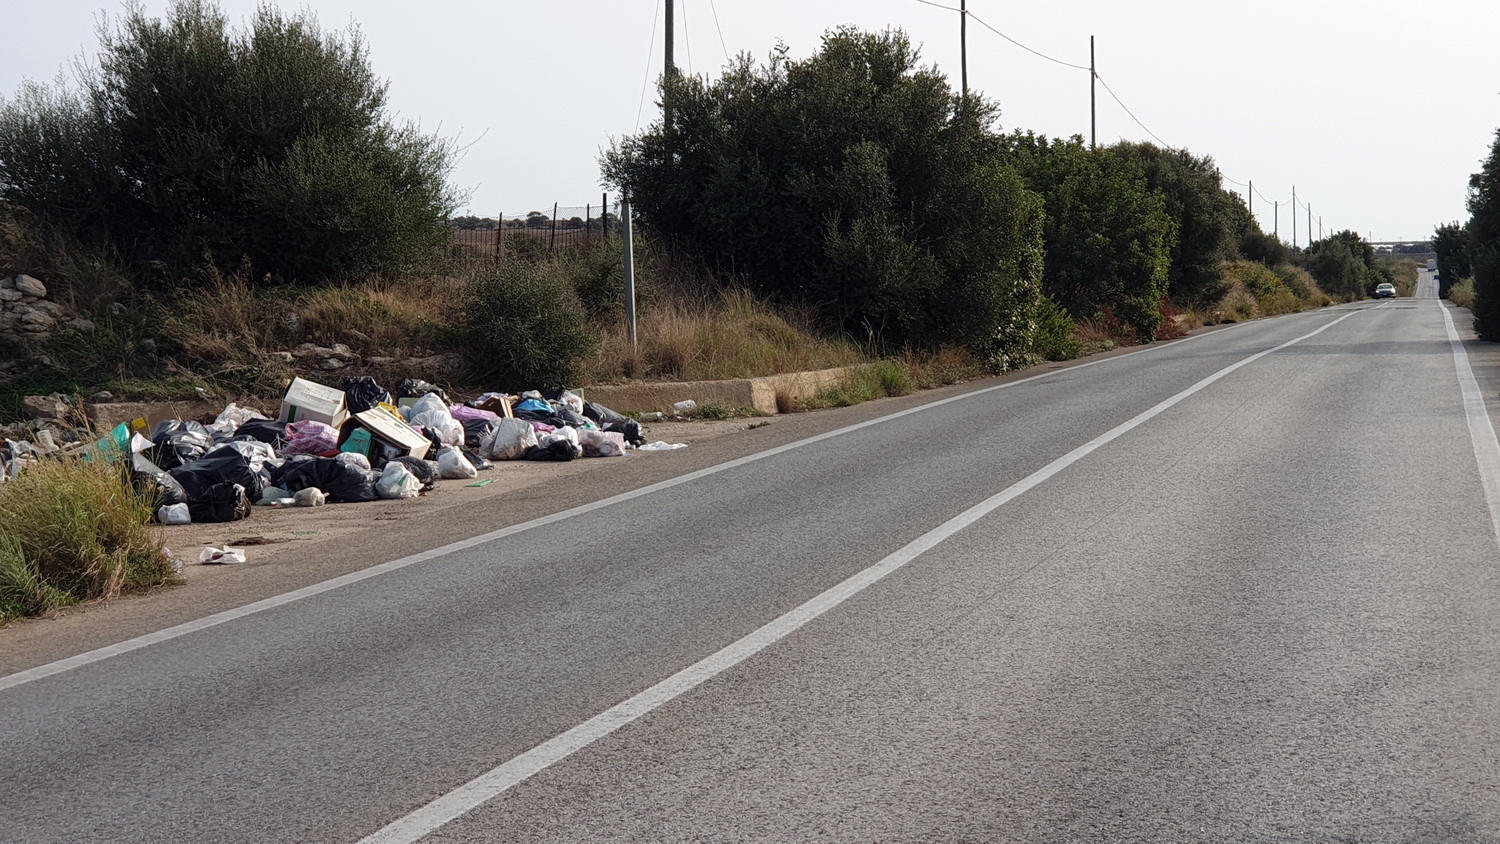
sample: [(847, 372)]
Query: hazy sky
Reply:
[(1377, 111)]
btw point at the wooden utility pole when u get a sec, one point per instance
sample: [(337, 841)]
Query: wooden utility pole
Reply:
[(963, 44), (1276, 219), (667, 71), (552, 238), (1250, 198), (1093, 99), (1309, 225), (1294, 216)]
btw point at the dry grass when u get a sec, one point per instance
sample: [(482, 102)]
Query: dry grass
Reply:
[(1102, 333), (943, 366), (72, 530), (716, 336), (1404, 273), (1462, 294)]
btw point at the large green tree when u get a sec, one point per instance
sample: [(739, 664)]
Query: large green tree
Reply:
[(193, 142), (855, 180), (1108, 235), (1484, 243), (1451, 243), (1208, 218), (1343, 264)]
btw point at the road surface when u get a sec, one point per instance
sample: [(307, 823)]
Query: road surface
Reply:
[(1238, 587)]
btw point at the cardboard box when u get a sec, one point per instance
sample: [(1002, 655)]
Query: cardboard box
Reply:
[(385, 430), (500, 405), (306, 400)]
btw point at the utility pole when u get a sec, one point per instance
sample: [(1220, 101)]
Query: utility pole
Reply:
[(963, 44), (1276, 219), (1250, 198), (1320, 227), (666, 78), (1294, 216), (1309, 225), (1093, 100)]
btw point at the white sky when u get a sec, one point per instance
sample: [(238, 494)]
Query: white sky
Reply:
[(1377, 111)]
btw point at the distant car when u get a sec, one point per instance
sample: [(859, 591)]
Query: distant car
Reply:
[(1385, 290)]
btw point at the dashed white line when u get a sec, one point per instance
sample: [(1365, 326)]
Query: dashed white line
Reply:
[(500, 779)]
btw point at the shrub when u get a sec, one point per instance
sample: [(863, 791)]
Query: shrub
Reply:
[(1054, 338), (71, 530), (526, 328), (867, 383), (191, 143), (1462, 294)]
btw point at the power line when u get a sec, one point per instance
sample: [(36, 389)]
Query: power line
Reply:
[(650, 51), (686, 39), (977, 20), (715, 9), (940, 5), (1131, 113)]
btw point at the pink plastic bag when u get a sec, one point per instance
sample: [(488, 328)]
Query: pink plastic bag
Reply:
[(310, 437), (464, 413)]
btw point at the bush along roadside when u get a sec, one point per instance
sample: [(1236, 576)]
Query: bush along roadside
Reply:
[(73, 530)]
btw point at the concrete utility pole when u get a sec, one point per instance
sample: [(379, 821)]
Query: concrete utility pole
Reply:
[(1294, 216), (626, 230), (1250, 197), (1276, 219), (1309, 224)]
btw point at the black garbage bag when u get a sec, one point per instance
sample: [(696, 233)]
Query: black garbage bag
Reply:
[(432, 437), (178, 443), (148, 479), (220, 503), (569, 418), (427, 471), (634, 433), (559, 449), (548, 417), (231, 463), (476, 431), (415, 387), (601, 414), (362, 393), (338, 480), (479, 462), (268, 431)]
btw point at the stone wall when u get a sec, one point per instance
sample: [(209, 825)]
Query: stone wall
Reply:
[(26, 314)]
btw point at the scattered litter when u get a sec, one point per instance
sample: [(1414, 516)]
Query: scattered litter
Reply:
[(653, 416), (397, 481), (211, 556), (173, 514), (660, 446), (453, 466), (485, 482), (685, 406), (309, 497)]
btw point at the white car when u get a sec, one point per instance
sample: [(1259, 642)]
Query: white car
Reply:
[(1385, 290)]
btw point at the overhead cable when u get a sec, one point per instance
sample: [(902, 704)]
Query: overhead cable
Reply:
[(977, 20), (650, 51), (1131, 113), (715, 9)]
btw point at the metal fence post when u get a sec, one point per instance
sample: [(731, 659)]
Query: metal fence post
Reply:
[(625, 227)]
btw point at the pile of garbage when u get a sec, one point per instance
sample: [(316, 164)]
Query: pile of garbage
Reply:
[(359, 443)]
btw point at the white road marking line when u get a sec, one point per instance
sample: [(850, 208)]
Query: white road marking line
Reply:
[(1481, 432), (498, 780), (169, 633)]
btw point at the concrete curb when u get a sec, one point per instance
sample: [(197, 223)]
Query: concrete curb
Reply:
[(759, 394)]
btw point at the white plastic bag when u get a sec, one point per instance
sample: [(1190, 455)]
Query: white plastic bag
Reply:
[(353, 458), (397, 481), (453, 465), (211, 556), (232, 418), (512, 438), (173, 514), (430, 412), (309, 497), (272, 494), (602, 443), (661, 446), (571, 401)]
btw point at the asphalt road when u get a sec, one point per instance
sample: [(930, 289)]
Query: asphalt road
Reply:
[(1239, 587)]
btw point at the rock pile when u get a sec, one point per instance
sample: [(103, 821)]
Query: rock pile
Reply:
[(26, 314)]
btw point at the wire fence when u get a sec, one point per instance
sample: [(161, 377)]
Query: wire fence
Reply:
[(559, 227)]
